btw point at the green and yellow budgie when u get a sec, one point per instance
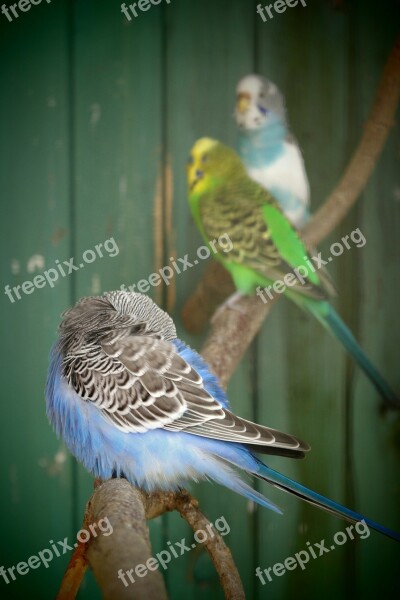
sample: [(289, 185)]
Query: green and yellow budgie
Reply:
[(265, 247)]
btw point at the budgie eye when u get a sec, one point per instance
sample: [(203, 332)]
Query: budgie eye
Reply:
[(190, 160), (204, 158)]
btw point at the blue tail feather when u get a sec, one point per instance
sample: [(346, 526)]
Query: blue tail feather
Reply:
[(238, 456), (288, 485)]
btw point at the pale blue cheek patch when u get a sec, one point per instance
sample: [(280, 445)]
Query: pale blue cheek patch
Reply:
[(262, 109)]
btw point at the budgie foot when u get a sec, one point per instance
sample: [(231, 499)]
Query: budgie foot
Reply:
[(115, 475), (231, 302)]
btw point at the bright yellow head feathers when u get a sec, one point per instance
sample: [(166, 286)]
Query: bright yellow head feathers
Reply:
[(209, 162), (202, 146), (196, 175)]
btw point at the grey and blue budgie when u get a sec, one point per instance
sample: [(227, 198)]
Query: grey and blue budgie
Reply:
[(131, 399), (268, 150)]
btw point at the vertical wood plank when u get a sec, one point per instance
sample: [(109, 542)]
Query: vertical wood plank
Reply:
[(36, 500), (301, 366), (209, 46), (375, 442), (317, 375), (118, 155)]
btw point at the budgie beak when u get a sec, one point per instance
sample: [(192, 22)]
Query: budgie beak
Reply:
[(243, 102)]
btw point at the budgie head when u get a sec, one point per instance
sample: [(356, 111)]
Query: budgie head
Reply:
[(97, 319), (210, 162), (258, 101)]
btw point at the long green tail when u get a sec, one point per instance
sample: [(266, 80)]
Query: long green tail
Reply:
[(327, 315)]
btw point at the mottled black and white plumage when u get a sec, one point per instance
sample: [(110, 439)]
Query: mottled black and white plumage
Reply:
[(118, 354), (129, 398)]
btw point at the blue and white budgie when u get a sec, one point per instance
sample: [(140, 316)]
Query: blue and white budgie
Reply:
[(130, 399), (268, 150)]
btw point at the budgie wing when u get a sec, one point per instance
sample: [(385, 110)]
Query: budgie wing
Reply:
[(141, 383), (262, 237)]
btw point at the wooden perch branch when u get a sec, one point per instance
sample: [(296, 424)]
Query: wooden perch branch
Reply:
[(188, 507), (127, 508), (213, 288), (216, 284), (74, 573), (126, 547)]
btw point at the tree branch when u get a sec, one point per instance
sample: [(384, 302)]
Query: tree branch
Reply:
[(216, 284), (188, 507), (74, 573), (127, 508), (126, 547)]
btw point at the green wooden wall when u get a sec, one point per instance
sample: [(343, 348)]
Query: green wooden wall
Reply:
[(97, 116)]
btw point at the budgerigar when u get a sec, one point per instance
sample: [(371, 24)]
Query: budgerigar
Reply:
[(268, 150), (130, 399), (266, 248)]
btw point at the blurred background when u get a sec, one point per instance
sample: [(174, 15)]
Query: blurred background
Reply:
[(97, 116)]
